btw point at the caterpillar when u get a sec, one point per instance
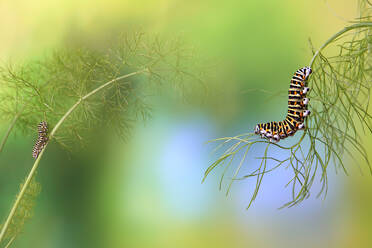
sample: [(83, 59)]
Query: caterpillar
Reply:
[(42, 129), (297, 110)]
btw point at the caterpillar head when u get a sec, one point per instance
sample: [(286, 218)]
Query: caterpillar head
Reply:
[(257, 129)]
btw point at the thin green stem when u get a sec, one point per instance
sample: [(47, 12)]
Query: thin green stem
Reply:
[(338, 34), (11, 126), (10, 242), (54, 130)]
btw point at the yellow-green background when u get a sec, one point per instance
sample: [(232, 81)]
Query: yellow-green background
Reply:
[(147, 192)]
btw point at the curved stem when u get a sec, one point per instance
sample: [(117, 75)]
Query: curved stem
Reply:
[(329, 41), (11, 126), (51, 135), (338, 34), (10, 242)]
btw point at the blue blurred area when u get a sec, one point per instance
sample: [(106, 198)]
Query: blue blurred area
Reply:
[(172, 172)]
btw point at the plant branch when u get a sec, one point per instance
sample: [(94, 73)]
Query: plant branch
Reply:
[(54, 130), (338, 34), (11, 126), (321, 127), (10, 242)]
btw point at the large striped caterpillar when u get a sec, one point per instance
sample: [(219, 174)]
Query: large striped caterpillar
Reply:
[(42, 129), (297, 110)]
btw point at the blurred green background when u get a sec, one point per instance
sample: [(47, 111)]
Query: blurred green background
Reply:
[(147, 192)]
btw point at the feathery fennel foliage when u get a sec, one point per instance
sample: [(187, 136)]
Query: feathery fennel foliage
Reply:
[(45, 89), (339, 100), (81, 90), (25, 209)]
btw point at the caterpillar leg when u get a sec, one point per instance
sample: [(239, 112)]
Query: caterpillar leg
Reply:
[(305, 101), (269, 135), (301, 126), (306, 113), (283, 135), (305, 90), (274, 139)]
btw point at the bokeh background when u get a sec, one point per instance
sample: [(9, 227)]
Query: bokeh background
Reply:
[(148, 192)]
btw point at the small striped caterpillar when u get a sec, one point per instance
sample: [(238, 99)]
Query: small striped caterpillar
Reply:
[(297, 110), (42, 129)]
